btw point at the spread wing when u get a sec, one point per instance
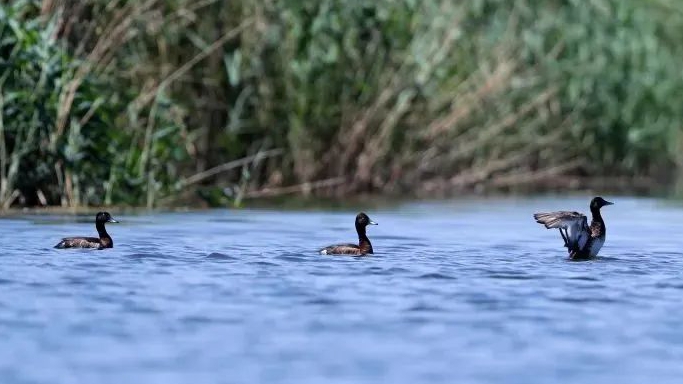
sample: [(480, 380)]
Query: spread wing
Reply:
[(575, 225)]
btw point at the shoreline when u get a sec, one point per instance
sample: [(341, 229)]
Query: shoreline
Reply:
[(372, 200)]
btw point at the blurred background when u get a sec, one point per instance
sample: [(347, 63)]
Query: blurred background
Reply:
[(329, 104), (207, 102)]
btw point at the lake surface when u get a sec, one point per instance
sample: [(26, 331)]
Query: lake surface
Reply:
[(470, 291)]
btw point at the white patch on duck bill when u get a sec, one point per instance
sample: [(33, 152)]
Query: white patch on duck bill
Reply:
[(323, 251)]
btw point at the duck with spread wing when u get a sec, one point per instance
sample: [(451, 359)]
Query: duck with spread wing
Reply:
[(583, 241)]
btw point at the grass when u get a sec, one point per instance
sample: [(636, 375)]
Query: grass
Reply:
[(168, 102)]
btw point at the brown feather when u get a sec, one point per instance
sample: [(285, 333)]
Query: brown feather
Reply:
[(363, 248), (79, 242), (557, 219), (102, 242), (342, 249), (582, 241)]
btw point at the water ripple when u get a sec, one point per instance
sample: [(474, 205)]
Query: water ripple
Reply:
[(514, 276), (221, 256), (436, 275), (173, 303)]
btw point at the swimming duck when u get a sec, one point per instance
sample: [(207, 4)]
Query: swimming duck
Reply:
[(582, 241), (363, 248), (104, 241)]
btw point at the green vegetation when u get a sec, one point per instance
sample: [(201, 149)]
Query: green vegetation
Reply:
[(161, 102)]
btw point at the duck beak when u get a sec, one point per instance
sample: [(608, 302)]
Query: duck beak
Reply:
[(372, 223), (111, 220), (608, 202)]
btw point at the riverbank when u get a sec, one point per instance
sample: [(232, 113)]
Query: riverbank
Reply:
[(366, 201), (158, 104)]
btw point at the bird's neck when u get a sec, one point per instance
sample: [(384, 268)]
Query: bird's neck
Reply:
[(101, 231), (597, 220), (596, 215), (363, 241)]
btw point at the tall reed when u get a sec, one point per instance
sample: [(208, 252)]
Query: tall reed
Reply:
[(171, 101)]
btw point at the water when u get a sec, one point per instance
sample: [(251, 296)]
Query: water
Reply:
[(469, 291)]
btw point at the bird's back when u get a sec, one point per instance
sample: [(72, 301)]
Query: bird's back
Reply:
[(341, 249), (79, 242)]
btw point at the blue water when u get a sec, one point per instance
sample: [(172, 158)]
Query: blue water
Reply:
[(472, 291)]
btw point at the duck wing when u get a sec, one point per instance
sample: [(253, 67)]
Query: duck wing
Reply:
[(79, 242), (341, 249), (575, 226)]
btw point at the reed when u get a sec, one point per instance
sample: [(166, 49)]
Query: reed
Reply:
[(163, 102)]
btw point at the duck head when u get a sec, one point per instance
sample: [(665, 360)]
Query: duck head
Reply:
[(598, 202), (362, 221), (104, 217)]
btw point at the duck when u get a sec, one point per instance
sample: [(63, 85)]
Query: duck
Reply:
[(362, 248), (102, 242), (581, 240)]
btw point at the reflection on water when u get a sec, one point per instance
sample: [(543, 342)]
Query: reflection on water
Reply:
[(468, 291)]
